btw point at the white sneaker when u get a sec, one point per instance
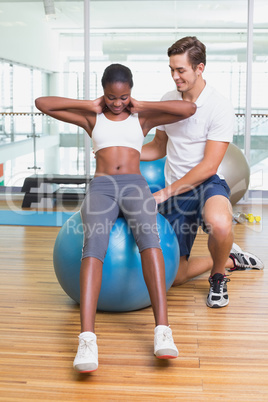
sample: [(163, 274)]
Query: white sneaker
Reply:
[(244, 260), (86, 359), (164, 347)]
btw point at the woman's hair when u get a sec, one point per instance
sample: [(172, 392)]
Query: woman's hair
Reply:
[(117, 73), (194, 49)]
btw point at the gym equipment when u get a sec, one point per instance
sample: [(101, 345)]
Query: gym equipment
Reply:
[(153, 172), (236, 172), (123, 287)]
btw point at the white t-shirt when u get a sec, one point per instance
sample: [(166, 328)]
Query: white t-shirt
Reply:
[(213, 120)]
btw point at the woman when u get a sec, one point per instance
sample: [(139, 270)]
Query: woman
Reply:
[(117, 124)]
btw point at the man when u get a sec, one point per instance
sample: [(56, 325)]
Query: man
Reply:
[(195, 192)]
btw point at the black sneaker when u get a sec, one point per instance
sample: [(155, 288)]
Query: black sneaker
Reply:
[(218, 296), (243, 260)]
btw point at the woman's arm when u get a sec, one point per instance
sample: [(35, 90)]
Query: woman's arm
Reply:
[(152, 114), (75, 111)]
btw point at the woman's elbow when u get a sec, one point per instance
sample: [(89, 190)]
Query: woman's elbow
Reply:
[(41, 104), (193, 109), (38, 103)]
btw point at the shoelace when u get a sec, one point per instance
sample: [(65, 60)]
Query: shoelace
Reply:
[(166, 335), (85, 346), (218, 282)]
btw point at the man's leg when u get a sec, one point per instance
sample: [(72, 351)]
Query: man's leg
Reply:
[(217, 214), (218, 218), (194, 266)]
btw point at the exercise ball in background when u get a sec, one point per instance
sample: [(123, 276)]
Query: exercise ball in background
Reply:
[(236, 171), (153, 172), (123, 287)]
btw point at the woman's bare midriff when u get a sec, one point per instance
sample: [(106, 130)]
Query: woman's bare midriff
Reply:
[(117, 160)]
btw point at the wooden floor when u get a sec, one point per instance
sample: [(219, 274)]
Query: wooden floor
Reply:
[(223, 352)]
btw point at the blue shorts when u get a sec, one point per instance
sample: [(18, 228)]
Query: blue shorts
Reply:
[(184, 211)]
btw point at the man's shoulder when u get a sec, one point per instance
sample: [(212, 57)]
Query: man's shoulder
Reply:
[(216, 104), (171, 95), (214, 94)]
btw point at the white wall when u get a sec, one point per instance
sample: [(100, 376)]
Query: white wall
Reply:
[(26, 36)]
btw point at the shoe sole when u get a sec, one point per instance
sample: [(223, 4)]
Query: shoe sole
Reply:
[(217, 305), (166, 357), (259, 262), (86, 371)]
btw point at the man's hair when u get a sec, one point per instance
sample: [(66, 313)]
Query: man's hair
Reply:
[(194, 49)]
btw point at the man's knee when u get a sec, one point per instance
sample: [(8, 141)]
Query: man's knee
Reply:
[(220, 225)]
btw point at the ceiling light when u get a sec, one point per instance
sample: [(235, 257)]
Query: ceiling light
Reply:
[(49, 8)]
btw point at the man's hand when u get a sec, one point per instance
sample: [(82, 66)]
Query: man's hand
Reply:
[(160, 196)]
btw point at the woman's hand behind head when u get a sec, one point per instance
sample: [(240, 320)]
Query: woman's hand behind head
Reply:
[(99, 105), (134, 106)]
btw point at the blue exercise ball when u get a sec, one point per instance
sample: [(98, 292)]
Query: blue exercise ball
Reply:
[(123, 287), (153, 172)]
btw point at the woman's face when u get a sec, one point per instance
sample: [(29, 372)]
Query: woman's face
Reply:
[(117, 96)]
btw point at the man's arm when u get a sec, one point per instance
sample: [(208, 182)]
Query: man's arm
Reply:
[(213, 155), (156, 148)]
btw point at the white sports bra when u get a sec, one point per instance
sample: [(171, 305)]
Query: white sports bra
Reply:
[(124, 133)]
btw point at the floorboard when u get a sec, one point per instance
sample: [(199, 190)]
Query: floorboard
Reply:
[(223, 352)]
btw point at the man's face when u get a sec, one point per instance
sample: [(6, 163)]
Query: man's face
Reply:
[(182, 72)]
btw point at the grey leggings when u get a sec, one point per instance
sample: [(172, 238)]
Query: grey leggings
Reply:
[(107, 197)]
